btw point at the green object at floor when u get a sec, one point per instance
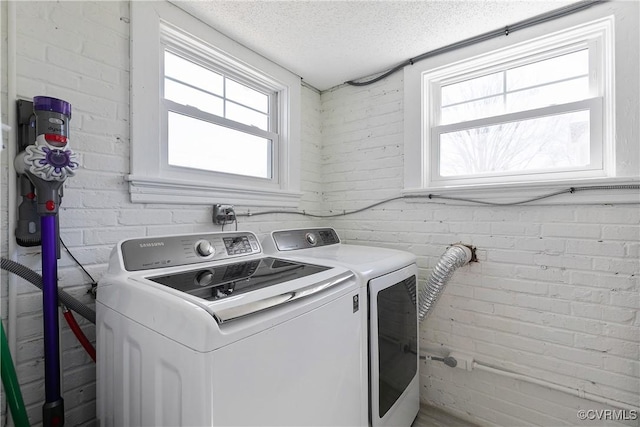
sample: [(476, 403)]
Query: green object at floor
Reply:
[(11, 386)]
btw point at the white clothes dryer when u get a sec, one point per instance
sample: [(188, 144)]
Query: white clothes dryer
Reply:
[(205, 330), (387, 279)]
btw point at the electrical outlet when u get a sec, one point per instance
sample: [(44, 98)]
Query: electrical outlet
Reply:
[(465, 361), (223, 214)]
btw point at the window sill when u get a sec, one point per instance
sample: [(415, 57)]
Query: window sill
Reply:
[(507, 194), (155, 190)]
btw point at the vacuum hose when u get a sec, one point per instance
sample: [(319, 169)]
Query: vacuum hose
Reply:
[(454, 257), (34, 278)]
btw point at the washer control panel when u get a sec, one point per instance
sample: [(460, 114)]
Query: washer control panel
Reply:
[(289, 240), (168, 251)]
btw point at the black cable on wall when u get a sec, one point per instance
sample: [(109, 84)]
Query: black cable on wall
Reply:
[(538, 19), (569, 190)]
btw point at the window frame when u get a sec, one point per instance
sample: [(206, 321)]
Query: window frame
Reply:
[(156, 26), (591, 37), (180, 44), (533, 41)]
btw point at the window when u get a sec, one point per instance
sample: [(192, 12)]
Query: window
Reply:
[(215, 123), (211, 120), (542, 116), (536, 111)]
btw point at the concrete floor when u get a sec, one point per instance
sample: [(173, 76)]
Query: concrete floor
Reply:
[(430, 416)]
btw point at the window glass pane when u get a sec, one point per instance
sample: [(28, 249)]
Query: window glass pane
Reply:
[(202, 145), (186, 71), (550, 70), (186, 95), (485, 107), (526, 99), (546, 143), (543, 96), (469, 90), (247, 116), (247, 96), (553, 81)]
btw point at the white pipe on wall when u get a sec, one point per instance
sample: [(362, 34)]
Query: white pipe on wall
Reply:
[(573, 391)]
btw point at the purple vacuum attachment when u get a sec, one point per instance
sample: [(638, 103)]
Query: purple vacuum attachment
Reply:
[(45, 103), (52, 119)]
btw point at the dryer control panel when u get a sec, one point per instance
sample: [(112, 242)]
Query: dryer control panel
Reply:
[(289, 240), (169, 251)]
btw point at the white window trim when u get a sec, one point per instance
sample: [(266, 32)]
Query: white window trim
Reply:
[(152, 180), (416, 171)]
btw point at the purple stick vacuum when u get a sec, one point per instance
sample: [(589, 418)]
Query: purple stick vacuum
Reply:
[(47, 164)]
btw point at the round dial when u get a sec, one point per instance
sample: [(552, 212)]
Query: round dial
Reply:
[(204, 278), (204, 248), (311, 238)]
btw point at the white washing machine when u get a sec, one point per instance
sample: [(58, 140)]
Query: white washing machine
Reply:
[(387, 280), (205, 330)]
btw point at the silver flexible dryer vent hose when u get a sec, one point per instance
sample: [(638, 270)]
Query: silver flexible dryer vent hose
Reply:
[(455, 256)]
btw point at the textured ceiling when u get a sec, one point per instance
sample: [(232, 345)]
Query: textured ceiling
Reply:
[(330, 42)]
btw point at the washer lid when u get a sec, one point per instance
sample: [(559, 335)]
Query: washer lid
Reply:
[(232, 291), (216, 282)]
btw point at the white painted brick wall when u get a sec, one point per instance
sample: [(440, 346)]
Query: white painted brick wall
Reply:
[(79, 52), (554, 296)]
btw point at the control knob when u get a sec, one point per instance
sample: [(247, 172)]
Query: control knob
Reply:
[(204, 278), (311, 239), (204, 248)]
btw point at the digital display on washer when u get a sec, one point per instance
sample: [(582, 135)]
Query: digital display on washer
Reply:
[(218, 282), (329, 237), (237, 245)]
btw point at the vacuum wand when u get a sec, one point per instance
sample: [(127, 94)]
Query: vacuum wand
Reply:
[(47, 164), (53, 409)]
